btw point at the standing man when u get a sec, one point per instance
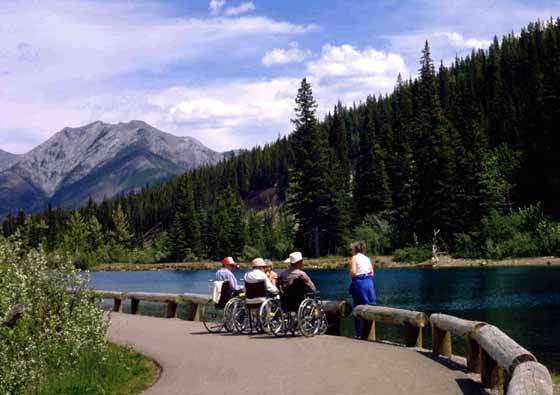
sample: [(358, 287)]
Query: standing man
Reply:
[(226, 273), (288, 276)]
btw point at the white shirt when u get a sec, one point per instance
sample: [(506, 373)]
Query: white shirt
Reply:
[(256, 275), (363, 264)]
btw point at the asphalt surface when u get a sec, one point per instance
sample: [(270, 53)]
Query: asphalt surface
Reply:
[(196, 362)]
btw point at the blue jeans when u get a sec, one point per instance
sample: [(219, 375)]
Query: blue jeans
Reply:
[(363, 292)]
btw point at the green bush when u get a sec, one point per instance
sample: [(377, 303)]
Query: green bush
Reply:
[(249, 253), (377, 234), (414, 254), (57, 326), (522, 233)]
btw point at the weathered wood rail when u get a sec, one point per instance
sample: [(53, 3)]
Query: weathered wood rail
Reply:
[(335, 309), (502, 363), (413, 322)]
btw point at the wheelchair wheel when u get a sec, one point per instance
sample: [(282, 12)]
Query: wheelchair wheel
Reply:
[(238, 317), (212, 318), (271, 317), (324, 323), (310, 318), (229, 325)]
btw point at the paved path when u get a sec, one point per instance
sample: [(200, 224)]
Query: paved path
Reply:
[(196, 362)]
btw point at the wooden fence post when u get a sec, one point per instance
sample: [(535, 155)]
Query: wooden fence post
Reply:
[(473, 354), (441, 342), (117, 305), (368, 330), (412, 335), (134, 306), (171, 309), (487, 366)]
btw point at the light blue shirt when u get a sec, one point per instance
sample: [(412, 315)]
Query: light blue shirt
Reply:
[(226, 275)]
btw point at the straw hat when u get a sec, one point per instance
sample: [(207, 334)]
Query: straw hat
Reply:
[(295, 257), (258, 262)]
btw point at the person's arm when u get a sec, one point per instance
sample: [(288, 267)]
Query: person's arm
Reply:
[(308, 281), (269, 286), (233, 281), (353, 269)]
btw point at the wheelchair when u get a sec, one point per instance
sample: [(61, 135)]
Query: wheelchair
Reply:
[(297, 311), (248, 315), (219, 317)]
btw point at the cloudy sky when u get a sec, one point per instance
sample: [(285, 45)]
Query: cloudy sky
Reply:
[(223, 71)]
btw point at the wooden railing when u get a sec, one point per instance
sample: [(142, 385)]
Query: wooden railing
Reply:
[(412, 321), (335, 309), (502, 363)]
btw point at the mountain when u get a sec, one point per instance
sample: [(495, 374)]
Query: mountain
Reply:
[(7, 159), (97, 160)]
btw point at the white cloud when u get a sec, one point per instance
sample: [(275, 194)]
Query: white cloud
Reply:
[(347, 73), (240, 9), (444, 46), (63, 63), (347, 61), (457, 40), (216, 5), (283, 56), (235, 114)]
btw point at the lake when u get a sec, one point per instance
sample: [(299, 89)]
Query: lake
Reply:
[(522, 301)]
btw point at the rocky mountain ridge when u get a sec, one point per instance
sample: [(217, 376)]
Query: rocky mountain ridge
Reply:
[(98, 160)]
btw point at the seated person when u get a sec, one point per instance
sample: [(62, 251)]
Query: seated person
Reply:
[(272, 275), (294, 272), (226, 274), (258, 274)]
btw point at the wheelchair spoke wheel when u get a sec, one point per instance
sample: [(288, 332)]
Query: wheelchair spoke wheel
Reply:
[(310, 318), (239, 320), (212, 318), (229, 324), (271, 316)]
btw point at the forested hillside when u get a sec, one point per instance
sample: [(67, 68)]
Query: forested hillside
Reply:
[(470, 150)]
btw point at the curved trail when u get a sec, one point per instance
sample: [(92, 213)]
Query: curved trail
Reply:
[(195, 362)]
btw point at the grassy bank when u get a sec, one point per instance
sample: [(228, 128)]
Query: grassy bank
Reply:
[(556, 378), (121, 372), (337, 262)]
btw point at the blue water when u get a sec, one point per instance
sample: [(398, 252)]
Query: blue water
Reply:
[(523, 302)]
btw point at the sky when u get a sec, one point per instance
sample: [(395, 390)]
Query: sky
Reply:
[(223, 71)]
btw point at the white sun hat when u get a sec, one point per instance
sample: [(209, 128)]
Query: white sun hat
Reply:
[(259, 262), (294, 258)]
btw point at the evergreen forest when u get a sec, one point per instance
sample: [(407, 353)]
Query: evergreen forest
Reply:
[(466, 155)]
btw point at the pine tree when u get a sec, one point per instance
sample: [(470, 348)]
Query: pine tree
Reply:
[(372, 194), (187, 235), (122, 234), (310, 196)]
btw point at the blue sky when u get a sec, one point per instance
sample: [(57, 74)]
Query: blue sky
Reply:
[(223, 71)]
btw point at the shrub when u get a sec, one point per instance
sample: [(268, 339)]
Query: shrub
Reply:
[(522, 233), (376, 232), (249, 253), (414, 254), (57, 326)]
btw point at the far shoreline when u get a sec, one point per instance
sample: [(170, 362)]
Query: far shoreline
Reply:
[(380, 262)]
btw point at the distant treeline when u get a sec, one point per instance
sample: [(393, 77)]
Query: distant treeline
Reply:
[(460, 149)]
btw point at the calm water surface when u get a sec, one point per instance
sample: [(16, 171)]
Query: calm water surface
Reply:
[(523, 302)]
